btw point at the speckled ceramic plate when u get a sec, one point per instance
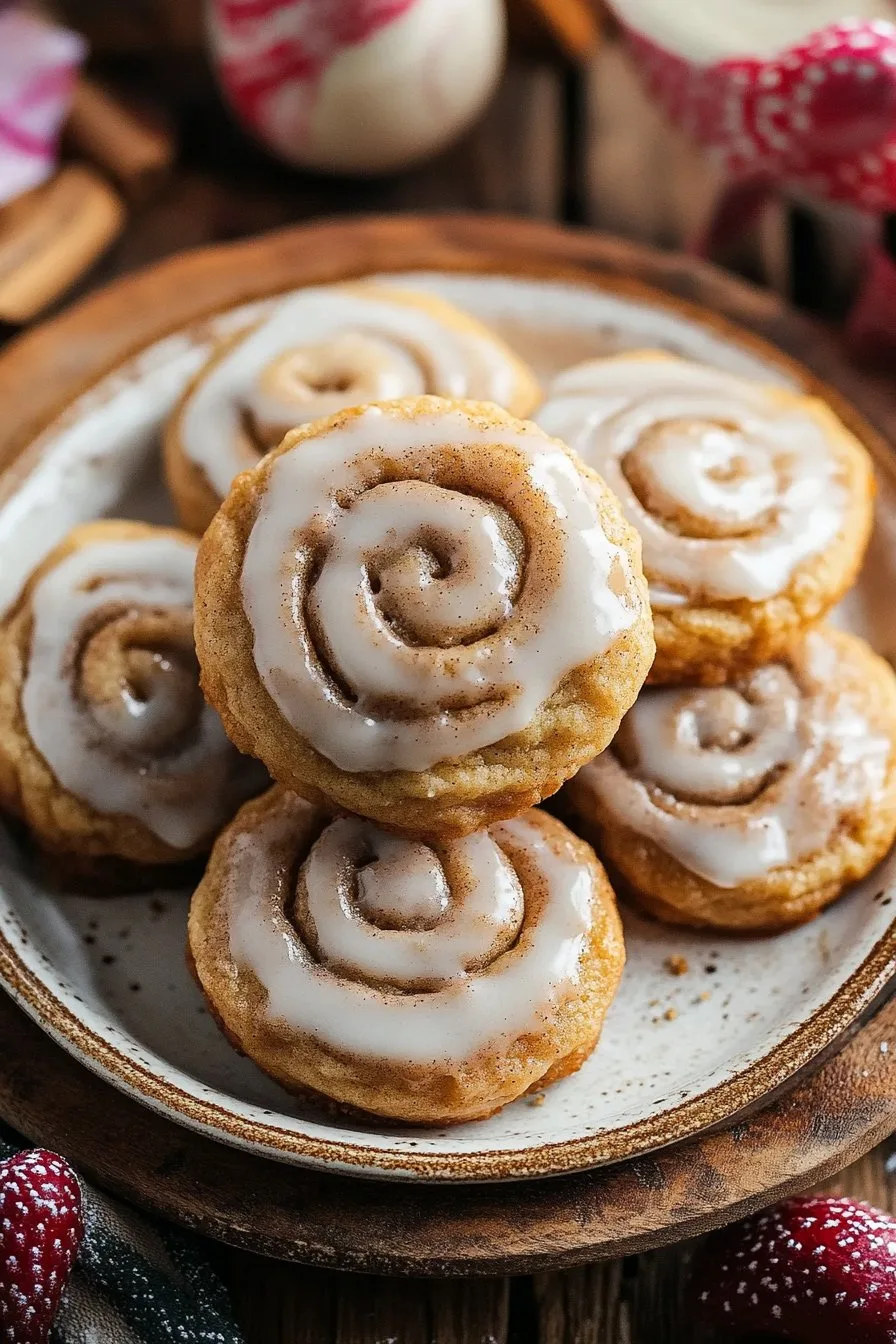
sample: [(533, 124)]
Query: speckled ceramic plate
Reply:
[(107, 978)]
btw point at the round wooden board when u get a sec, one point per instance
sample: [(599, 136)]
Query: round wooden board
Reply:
[(393, 1227), (828, 1120)]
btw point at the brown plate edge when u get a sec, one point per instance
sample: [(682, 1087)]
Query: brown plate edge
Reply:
[(335, 1221)]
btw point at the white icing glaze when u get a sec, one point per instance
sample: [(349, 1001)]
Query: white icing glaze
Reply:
[(441, 638), (409, 916), (737, 781), (155, 751), (99, 457), (533, 965), (705, 31), (325, 349), (730, 489)]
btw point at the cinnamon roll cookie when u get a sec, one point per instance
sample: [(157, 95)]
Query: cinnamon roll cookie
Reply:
[(426, 984), (751, 806), (422, 611), (754, 504), (325, 349), (107, 748)]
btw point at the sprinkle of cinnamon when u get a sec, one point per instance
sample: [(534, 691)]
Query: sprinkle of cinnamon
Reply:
[(676, 965)]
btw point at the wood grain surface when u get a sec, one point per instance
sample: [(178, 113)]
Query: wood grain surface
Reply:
[(581, 147)]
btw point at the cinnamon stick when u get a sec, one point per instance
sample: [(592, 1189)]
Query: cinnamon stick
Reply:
[(574, 26), (50, 236), (102, 129)]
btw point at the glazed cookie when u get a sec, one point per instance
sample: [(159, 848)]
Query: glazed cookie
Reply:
[(429, 985), (107, 749), (323, 350), (754, 504), (422, 611), (751, 806)]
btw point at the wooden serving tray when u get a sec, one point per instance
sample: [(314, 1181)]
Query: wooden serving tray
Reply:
[(828, 1120)]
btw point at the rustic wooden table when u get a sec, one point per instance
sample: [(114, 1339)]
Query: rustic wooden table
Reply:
[(579, 146)]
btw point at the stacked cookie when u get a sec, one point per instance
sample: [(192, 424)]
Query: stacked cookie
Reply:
[(758, 777), (427, 614), (423, 615)]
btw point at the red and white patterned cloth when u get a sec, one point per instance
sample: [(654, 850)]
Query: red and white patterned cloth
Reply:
[(820, 116), (38, 65)]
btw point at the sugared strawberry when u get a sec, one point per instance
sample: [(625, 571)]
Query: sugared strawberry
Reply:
[(40, 1232), (814, 1270)]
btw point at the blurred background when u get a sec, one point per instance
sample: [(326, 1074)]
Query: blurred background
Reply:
[(538, 112)]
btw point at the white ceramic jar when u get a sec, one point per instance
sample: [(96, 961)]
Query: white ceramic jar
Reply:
[(357, 86)]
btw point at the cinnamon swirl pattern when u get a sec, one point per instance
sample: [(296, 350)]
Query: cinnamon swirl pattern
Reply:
[(753, 504), (751, 806), (422, 611), (107, 748), (323, 350), (429, 984)]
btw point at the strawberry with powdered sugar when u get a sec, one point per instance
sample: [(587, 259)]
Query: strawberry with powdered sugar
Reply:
[(41, 1228), (813, 1270)]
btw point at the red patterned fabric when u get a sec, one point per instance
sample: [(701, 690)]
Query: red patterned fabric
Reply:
[(820, 115)]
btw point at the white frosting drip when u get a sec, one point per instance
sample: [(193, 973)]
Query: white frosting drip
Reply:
[(325, 349), (532, 971), (737, 781), (730, 489), (156, 752), (705, 31), (440, 638)]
